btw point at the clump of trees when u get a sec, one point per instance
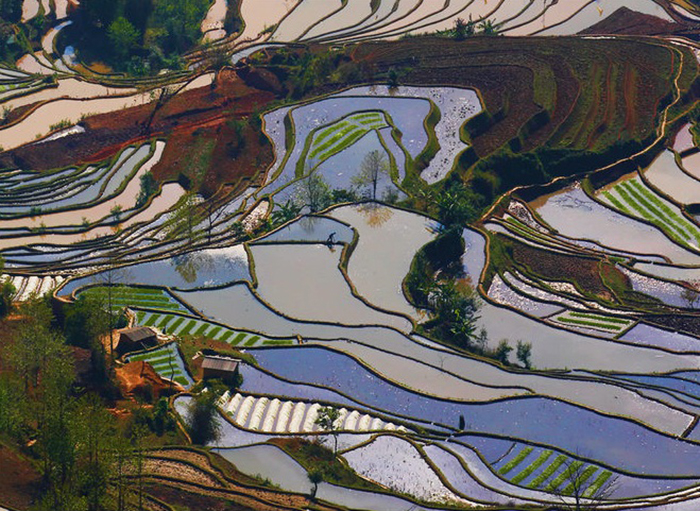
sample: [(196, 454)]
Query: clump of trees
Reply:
[(77, 445), (139, 36)]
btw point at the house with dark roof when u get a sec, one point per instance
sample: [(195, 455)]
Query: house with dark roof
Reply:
[(136, 339), (218, 366)]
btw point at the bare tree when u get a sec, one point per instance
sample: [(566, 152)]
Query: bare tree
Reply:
[(584, 487), (314, 192), (111, 277), (374, 165)]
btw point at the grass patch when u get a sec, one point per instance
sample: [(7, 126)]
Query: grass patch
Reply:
[(547, 472), (532, 467), (515, 461)]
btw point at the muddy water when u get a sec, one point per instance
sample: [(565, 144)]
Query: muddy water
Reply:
[(354, 12), (601, 9), (214, 21), (70, 88), (388, 240), (50, 37), (425, 9), (260, 15), (166, 200), (305, 15), (38, 122), (71, 110), (445, 20), (558, 12), (683, 140), (126, 199), (671, 180), (30, 8), (304, 281)]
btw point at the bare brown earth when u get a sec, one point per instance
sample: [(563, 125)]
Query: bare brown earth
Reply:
[(625, 21), (136, 377), (203, 111), (20, 479)]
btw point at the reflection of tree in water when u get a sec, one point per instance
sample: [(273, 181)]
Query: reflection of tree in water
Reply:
[(376, 214), (190, 264), (309, 223)]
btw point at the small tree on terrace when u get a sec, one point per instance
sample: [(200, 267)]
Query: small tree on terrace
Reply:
[(691, 294), (578, 493), (202, 420), (374, 165), (326, 420)]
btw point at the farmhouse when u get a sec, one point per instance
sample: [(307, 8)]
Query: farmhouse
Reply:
[(135, 339), (217, 366)]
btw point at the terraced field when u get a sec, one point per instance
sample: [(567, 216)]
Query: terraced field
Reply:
[(181, 325), (502, 308), (167, 363)]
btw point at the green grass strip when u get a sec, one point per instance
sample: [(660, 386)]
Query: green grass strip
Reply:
[(515, 461), (581, 480), (278, 342), (597, 484), (189, 326), (615, 202), (547, 472), (152, 320), (214, 331), (252, 340), (166, 319), (176, 324), (339, 135), (202, 329), (226, 336), (578, 322), (344, 144), (182, 380), (598, 317), (533, 466), (565, 474), (238, 339)]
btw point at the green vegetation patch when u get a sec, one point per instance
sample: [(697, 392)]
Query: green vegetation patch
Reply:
[(515, 461)]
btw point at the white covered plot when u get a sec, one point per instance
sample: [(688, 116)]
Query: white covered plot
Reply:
[(388, 240), (395, 463), (274, 416), (304, 282)]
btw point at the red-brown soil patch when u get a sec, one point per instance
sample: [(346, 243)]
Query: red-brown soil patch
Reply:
[(135, 378), (20, 479)]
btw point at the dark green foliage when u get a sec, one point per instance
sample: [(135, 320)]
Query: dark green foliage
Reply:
[(158, 420), (10, 11), (202, 420), (138, 36), (7, 291), (149, 187), (502, 351), (524, 353)]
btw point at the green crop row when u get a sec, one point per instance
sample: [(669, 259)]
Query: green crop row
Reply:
[(599, 317), (515, 461), (578, 322), (580, 480), (532, 467), (598, 483), (565, 474), (547, 472)]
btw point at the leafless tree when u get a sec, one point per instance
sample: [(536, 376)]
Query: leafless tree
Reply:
[(578, 493)]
